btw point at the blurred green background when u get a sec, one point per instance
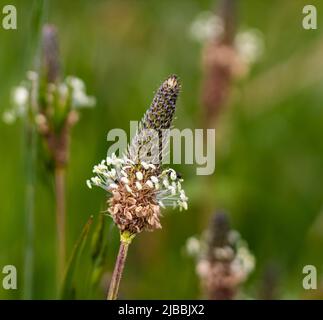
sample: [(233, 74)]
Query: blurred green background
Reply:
[(269, 140)]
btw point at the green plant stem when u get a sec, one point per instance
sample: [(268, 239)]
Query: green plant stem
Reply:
[(125, 240), (60, 219), (30, 157)]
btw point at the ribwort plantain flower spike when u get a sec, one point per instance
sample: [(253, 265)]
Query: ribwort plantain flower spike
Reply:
[(151, 136), (139, 189), (50, 105), (138, 184), (224, 261), (161, 112)]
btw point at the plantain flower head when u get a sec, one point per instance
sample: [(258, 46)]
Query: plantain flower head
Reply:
[(224, 261), (138, 185)]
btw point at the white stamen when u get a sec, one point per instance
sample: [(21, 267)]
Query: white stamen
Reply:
[(183, 196), (128, 188), (124, 180), (139, 175), (89, 184), (161, 204), (96, 180), (154, 179), (145, 165), (124, 173), (166, 183), (149, 184), (109, 161), (173, 175), (112, 173), (172, 190)]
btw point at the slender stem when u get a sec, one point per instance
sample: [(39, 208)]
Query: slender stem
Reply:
[(125, 240), (60, 219), (30, 155), (118, 269)]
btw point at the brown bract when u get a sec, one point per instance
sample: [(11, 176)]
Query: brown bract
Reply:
[(137, 210), (134, 214)]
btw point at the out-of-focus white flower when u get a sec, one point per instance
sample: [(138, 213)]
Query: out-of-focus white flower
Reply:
[(20, 96), (70, 93), (63, 90), (9, 117), (76, 83), (233, 237), (206, 26), (250, 45), (20, 100), (32, 75), (203, 268), (244, 261), (79, 97), (193, 246)]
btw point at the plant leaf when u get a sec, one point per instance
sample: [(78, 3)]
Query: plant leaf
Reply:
[(98, 238), (68, 290), (99, 252)]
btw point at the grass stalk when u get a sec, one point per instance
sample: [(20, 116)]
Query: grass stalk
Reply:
[(30, 157), (30, 153), (60, 219)]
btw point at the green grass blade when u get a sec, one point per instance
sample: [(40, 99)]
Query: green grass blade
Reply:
[(98, 238), (68, 289), (99, 250)]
